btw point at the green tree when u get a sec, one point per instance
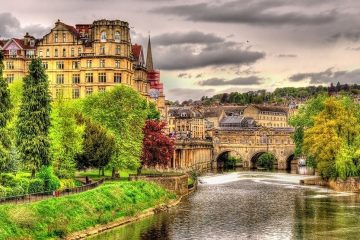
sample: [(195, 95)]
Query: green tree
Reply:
[(5, 115), (266, 160), (66, 138), (34, 118), (99, 146), (123, 112)]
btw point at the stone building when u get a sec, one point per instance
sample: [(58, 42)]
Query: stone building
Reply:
[(185, 123), (82, 59), (268, 116)]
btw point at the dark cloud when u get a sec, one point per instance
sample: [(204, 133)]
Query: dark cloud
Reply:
[(10, 27), (251, 80), (184, 57), (328, 76), (258, 12), (193, 37), (182, 94), (184, 75), (287, 56), (351, 36)]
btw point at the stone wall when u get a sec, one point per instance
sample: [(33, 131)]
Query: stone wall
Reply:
[(175, 184), (348, 185)]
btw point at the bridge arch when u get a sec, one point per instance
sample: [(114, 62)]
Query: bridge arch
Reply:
[(291, 163), (221, 157), (255, 157)]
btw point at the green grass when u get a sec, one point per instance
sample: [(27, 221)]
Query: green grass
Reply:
[(57, 217)]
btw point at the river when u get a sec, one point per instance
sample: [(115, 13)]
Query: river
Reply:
[(252, 205)]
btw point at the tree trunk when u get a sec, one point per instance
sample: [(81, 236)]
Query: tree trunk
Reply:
[(139, 170), (113, 173), (99, 172), (103, 172), (33, 173)]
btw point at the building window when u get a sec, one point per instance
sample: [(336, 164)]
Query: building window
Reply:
[(45, 65), (40, 53), (102, 77), (103, 37), (13, 52), (75, 64), (102, 50), (72, 52), (117, 49), (117, 77), (10, 78), (56, 52), (76, 78), (79, 51), (75, 93), (102, 89), (47, 53), (56, 37), (64, 37), (64, 52), (60, 65), (117, 36), (10, 65), (89, 90), (117, 63), (59, 93), (102, 63), (60, 79), (89, 78), (88, 63)]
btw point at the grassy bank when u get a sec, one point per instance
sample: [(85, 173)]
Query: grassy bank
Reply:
[(57, 217)]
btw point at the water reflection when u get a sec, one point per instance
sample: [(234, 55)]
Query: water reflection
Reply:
[(252, 206)]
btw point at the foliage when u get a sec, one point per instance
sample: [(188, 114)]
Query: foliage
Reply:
[(56, 217), (232, 161), (34, 118), (333, 139), (304, 118), (67, 183), (99, 145), (36, 185), (153, 114), (50, 180), (5, 116), (123, 112), (66, 138), (266, 160), (158, 148)]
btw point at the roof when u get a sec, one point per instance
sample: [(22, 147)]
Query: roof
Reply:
[(232, 119), (271, 108), (136, 50), (184, 113)]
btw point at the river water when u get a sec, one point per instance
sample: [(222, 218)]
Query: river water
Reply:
[(252, 205)]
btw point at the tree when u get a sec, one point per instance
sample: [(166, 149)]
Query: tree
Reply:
[(99, 146), (123, 112), (333, 139), (5, 115), (266, 160), (157, 148), (66, 138), (34, 118)]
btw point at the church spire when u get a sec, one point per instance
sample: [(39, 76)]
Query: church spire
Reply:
[(149, 60)]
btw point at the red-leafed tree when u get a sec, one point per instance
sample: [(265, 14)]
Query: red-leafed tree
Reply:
[(158, 148)]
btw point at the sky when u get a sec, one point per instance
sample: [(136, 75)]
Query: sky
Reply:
[(206, 47)]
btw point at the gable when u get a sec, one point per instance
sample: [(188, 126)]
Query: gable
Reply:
[(12, 45)]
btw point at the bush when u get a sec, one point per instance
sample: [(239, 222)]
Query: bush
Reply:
[(51, 181), (7, 180), (327, 170), (15, 191), (23, 183), (67, 183), (3, 192), (36, 185)]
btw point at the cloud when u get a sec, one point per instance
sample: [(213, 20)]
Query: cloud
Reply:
[(287, 56), (182, 94), (184, 75), (10, 27), (252, 80), (192, 37), (351, 36), (185, 57), (353, 48), (328, 76), (256, 12), (199, 75)]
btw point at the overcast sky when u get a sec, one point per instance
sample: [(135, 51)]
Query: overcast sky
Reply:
[(205, 47)]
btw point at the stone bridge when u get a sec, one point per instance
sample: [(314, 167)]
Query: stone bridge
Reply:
[(245, 143)]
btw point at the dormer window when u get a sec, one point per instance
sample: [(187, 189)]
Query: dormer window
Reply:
[(32, 43), (103, 37), (117, 37)]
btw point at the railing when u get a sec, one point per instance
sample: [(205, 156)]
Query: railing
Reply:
[(49, 194)]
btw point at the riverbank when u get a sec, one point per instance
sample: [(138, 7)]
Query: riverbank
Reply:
[(351, 184), (61, 217)]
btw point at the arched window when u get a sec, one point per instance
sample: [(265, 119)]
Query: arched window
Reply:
[(103, 37), (117, 37)]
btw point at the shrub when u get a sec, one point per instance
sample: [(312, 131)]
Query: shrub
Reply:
[(67, 183), (3, 191), (36, 185), (7, 180), (51, 181), (266, 160), (15, 191), (23, 183)]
